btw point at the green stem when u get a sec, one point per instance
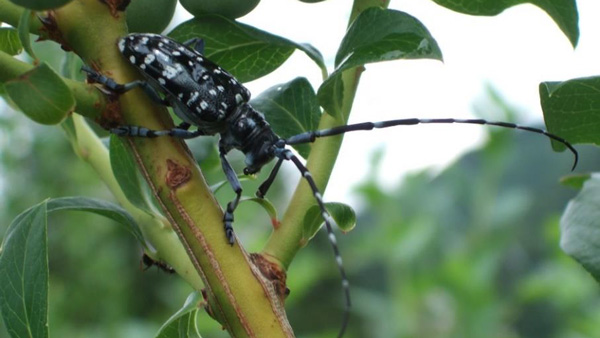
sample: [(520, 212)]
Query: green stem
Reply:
[(286, 240), (239, 296), (156, 229), (11, 13)]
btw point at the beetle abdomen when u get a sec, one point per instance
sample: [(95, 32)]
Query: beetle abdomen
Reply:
[(200, 91)]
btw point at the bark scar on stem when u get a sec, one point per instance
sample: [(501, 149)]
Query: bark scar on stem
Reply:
[(50, 28), (177, 174), (273, 273)]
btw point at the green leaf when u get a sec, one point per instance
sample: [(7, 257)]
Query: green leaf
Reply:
[(343, 214), (246, 52), (24, 33), (9, 41), (580, 227), (563, 12), (291, 109), (572, 109), (40, 5), (183, 323), (126, 172), (376, 35), (267, 205), (24, 275), (575, 181), (99, 207), (41, 95)]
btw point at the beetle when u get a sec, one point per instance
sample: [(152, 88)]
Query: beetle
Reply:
[(209, 98)]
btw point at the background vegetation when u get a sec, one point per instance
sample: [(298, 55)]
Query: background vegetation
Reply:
[(472, 251)]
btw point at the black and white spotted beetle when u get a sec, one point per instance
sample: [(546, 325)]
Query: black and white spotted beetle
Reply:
[(204, 95)]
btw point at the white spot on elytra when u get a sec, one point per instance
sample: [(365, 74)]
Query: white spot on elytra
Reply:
[(161, 81), (143, 66), (221, 88), (122, 45), (132, 59), (212, 92), (169, 72), (199, 59), (149, 59), (180, 96), (217, 70), (176, 53), (205, 77), (193, 98), (203, 104)]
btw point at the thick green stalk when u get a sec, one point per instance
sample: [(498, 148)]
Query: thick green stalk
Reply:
[(245, 302), (156, 229), (286, 240)]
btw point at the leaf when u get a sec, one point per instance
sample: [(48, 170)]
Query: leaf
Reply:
[(580, 227), (291, 108), (24, 275), (265, 204), (40, 5), (343, 214), (183, 323), (99, 207), (563, 12), (23, 30), (572, 110), (126, 172), (9, 41), (376, 35), (575, 181), (41, 95), (246, 52)]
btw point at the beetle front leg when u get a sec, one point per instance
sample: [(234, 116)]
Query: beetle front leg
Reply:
[(237, 188)]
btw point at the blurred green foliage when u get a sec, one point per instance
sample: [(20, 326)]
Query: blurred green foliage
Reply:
[(469, 252)]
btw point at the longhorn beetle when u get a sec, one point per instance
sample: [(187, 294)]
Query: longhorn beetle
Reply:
[(207, 97)]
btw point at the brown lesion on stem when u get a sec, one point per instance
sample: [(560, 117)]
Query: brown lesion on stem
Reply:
[(177, 174), (273, 272)]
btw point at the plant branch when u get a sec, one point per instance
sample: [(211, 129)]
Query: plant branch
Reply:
[(286, 240), (11, 13), (156, 229), (239, 296)]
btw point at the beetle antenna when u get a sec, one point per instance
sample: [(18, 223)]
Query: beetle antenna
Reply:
[(311, 136), (329, 222)]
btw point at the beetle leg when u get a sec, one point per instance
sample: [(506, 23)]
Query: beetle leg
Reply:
[(237, 188), (125, 87)]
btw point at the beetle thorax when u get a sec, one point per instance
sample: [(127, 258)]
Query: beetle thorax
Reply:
[(249, 132)]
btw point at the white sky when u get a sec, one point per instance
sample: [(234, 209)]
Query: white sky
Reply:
[(512, 52)]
